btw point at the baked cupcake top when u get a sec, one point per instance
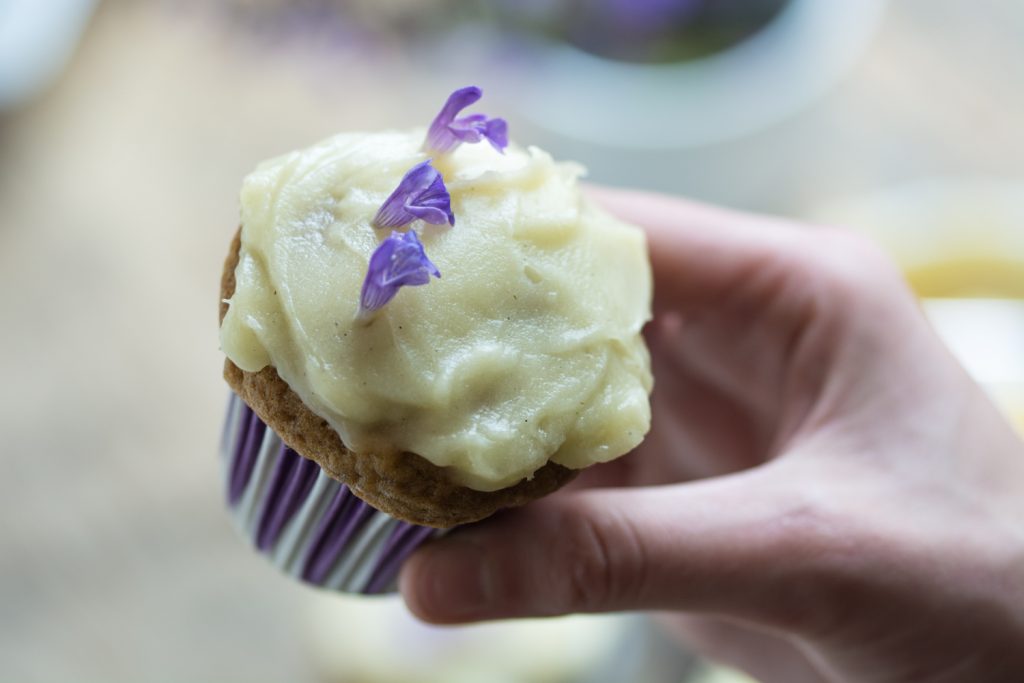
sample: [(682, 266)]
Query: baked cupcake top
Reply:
[(523, 348)]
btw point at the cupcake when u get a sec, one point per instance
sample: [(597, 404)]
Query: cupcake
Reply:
[(421, 328)]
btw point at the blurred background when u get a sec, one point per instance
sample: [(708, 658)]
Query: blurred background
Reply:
[(127, 126)]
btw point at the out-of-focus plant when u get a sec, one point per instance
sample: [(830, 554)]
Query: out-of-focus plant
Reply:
[(641, 30)]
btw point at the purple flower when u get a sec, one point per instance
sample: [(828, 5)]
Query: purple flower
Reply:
[(399, 261), (447, 132), (421, 194)]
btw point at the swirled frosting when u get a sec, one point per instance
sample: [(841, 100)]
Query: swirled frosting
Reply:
[(526, 350)]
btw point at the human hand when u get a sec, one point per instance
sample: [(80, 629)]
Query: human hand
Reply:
[(824, 495)]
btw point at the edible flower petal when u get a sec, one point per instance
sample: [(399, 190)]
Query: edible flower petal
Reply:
[(420, 194), (446, 132), (397, 262)]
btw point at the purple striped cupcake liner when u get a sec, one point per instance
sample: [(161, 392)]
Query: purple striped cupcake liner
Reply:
[(309, 525)]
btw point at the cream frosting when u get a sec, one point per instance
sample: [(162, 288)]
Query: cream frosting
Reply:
[(527, 349)]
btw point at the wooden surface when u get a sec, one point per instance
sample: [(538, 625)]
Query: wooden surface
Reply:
[(117, 200)]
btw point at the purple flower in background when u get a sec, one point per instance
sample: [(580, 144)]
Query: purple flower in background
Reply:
[(447, 132), (421, 194), (399, 261)]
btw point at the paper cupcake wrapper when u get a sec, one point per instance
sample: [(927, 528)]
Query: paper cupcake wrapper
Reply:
[(308, 524)]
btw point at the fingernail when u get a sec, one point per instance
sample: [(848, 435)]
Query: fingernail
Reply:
[(448, 581)]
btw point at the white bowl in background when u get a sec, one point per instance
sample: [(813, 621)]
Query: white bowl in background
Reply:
[(769, 76)]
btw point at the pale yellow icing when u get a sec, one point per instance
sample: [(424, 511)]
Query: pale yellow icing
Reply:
[(527, 349)]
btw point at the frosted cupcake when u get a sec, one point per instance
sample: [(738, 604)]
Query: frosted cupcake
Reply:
[(421, 331)]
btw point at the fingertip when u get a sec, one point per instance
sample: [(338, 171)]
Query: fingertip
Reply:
[(410, 580), (445, 582)]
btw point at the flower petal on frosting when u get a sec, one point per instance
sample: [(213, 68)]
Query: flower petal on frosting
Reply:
[(398, 261), (446, 132), (420, 195)]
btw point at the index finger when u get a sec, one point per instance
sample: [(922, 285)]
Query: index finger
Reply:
[(700, 253)]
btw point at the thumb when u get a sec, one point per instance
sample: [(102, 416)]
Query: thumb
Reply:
[(730, 546)]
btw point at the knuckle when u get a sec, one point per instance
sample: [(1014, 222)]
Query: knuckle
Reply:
[(602, 560), (852, 265), (590, 573)]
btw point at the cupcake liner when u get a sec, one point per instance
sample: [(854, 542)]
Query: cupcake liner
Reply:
[(310, 525)]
